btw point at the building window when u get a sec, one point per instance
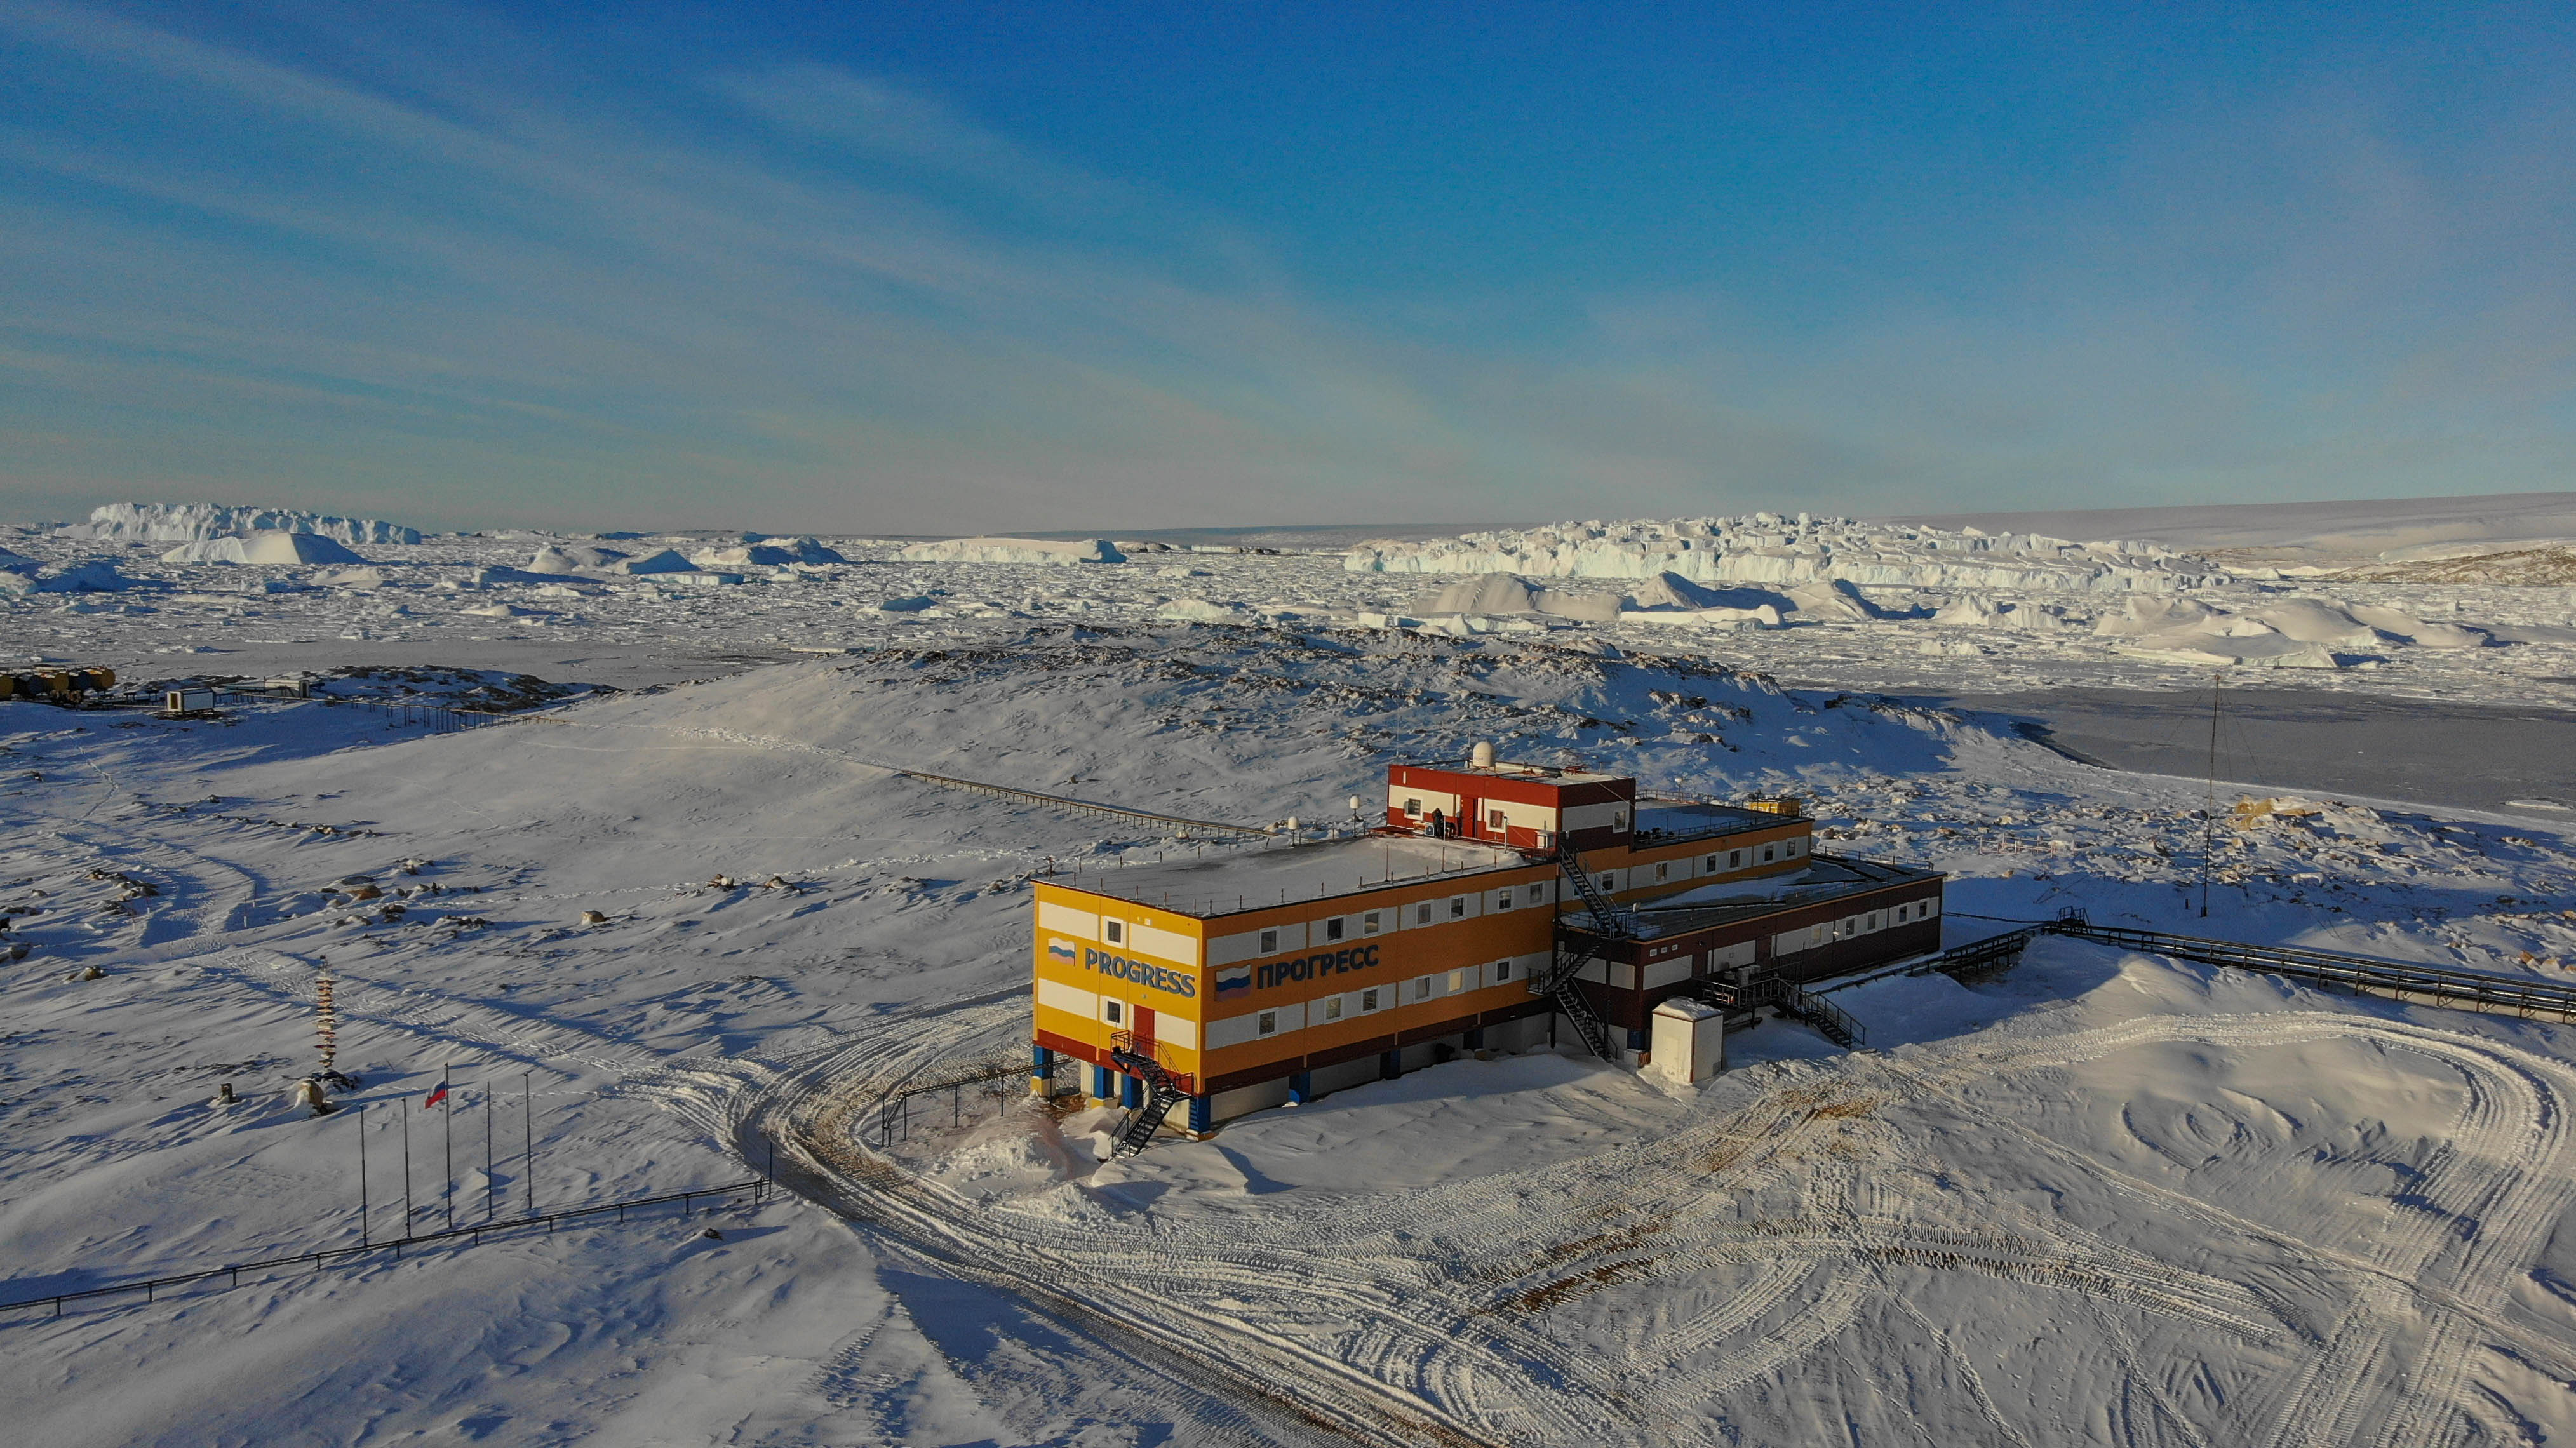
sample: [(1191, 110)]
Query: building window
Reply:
[(1268, 1025), (1422, 989), (1619, 819), (1422, 913), (1333, 928), (1333, 1008), (1270, 942), (1495, 818), (1711, 867), (1606, 886), (1112, 1011), (1368, 1001), (1113, 931), (1458, 982), (1502, 899), (1735, 859), (1766, 851), (1368, 923), (1413, 807), (1502, 970), (1458, 907), (1659, 871)]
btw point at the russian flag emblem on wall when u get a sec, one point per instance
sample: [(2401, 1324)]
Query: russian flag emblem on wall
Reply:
[(1231, 982), (1061, 950)]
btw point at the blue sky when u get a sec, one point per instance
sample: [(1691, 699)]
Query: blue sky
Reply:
[(948, 268)]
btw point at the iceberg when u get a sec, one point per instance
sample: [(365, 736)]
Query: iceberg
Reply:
[(190, 522)]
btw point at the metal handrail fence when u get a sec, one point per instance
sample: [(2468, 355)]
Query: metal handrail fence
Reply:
[(2478, 990), (758, 1186), (894, 1108)]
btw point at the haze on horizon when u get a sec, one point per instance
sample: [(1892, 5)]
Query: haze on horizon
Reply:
[(943, 269)]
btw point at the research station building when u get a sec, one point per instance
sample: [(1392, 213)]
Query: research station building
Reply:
[(1262, 976)]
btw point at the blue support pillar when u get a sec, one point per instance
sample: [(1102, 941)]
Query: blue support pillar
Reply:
[(1301, 1088), (1041, 1072), (1390, 1064), (1636, 1040), (1202, 1114), (1131, 1092), (1100, 1087)]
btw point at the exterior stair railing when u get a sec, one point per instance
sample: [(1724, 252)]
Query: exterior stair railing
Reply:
[(1136, 1058)]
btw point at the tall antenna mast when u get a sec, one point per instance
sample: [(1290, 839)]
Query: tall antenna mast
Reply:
[(2209, 813), (326, 1023)]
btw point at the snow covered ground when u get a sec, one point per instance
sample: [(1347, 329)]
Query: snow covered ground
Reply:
[(2102, 1198)]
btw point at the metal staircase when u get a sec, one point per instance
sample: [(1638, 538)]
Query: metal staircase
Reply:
[(1831, 1021), (1613, 921), (1160, 1094), (1559, 984), (1610, 923)]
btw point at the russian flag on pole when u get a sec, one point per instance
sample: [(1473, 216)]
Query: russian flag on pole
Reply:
[(1230, 982), (435, 1097)]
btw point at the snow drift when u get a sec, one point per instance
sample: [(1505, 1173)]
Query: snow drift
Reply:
[(269, 547)]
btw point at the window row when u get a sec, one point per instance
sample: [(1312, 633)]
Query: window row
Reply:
[(1335, 930), (1292, 1016), (1867, 922)]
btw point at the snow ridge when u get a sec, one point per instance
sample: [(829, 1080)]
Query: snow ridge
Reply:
[(191, 522), (1770, 548)]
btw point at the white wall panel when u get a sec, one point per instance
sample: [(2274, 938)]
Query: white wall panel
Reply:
[(1665, 972), (1065, 920), (1164, 945), (1057, 994)]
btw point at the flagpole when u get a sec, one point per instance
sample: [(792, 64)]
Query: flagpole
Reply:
[(358, 1113), (406, 1121), (488, 1210), (528, 1133), (447, 1111)]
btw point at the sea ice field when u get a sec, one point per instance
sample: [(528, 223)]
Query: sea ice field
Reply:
[(682, 909)]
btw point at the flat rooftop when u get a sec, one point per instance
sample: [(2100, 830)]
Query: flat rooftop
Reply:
[(1506, 769), (1713, 905), (1660, 821), (1225, 880)]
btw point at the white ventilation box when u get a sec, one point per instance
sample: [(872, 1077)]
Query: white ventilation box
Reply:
[(1689, 1041)]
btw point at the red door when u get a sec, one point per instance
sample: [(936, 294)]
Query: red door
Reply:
[(1144, 1028)]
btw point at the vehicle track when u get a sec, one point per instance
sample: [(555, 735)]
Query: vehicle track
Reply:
[(1392, 1317)]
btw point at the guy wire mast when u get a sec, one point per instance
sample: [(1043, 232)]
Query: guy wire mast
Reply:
[(326, 1031)]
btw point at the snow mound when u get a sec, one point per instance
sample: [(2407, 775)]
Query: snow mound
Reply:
[(575, 558), (1203, 610), (2289, 633), (1486, 593), (185, 522), (268, 547), (352, 578), (1012, 550), (1832, 600), (1768, 548), (666, 561), (98, 576)]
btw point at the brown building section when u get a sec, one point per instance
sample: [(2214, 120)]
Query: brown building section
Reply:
[(1871, 923)]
